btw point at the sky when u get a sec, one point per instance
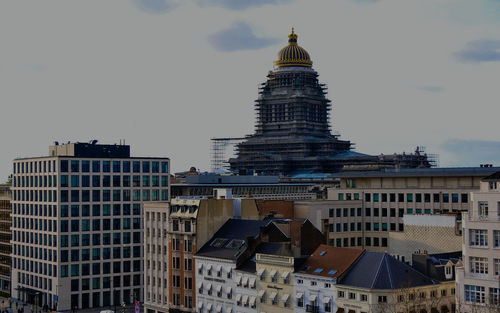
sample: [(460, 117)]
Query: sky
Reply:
[(168, 75)]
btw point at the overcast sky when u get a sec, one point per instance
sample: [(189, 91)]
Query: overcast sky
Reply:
[(167, 76)]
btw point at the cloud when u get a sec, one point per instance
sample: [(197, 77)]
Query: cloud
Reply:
[(473, 152), (241, 4), (155, 6), (239, 37), (480, 51), (429, 88)]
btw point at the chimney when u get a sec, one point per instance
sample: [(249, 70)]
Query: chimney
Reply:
[(296, 237)]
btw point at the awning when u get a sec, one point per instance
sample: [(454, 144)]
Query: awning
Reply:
[(244, 281), (219, 288), (199, 284), (219, 268), (238, 280), (273, 295), (285, 297), (209, 267), (261, 293), (313, 297), (299, 295), (200, 304), (219, 308), (238, 297), (209, 286), (200, 266), (327, 299), (252, 300), (229, 289), (229, 310), (252, 282), (244, 299), (209, 306), (272, 273), (285, 275), (260, 272)]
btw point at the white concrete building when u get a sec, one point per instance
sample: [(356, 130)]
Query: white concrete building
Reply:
[(478, 288), (218, 288), (77, 229)]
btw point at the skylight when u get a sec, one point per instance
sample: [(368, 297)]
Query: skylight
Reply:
[(332, 272), (322, 253), (219, 242), (318, 270)]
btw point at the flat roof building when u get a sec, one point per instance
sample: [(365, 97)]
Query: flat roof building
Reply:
[(77, 232)]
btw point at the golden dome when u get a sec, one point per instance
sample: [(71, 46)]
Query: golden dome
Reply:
[(293, 54)]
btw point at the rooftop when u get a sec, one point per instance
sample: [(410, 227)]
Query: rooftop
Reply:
[(331, 261), (231, 239), (378, 270), (421, 172)]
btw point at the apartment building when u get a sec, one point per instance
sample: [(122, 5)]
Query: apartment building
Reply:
[(380, 199), (5, 236), (176, 231), (315, 283), (477, 280), (379, 283), (219, 288), (77, 233)]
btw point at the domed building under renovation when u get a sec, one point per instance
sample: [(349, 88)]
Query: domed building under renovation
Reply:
[(293, 132)]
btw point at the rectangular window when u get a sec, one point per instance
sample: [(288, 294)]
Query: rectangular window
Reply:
[(482, 209), (474, 294), (478, 265), (478, 237)]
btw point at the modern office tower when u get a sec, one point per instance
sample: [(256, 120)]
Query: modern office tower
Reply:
[(77, 234), (5, 250), (478, 288)]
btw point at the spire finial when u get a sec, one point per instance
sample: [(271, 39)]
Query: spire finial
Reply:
[(292, 38)]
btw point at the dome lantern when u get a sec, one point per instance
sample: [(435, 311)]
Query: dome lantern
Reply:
[(293, 54)]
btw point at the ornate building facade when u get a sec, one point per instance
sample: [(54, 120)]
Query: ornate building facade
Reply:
[(292, 129)]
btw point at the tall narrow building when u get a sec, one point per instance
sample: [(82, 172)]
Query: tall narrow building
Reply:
[(77, 233)]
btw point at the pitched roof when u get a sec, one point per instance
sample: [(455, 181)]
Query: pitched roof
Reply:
[(377, 270), (493, 177), (330, 261), (230, 240)]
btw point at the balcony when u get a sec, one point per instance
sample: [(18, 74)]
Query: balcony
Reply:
[(312, 308)]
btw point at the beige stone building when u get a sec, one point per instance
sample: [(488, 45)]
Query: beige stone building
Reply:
[(275, 283), (380, 199), (478, 288), (427, 234), (379, 283)]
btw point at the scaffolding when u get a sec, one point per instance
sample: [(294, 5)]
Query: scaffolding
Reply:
[(221, 150)]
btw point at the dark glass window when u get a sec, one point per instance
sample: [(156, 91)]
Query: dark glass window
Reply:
[(164, 167), (63, 166), (145, 166), (85, 166), (136, 166), (106, 166), (75, 166), (116, 167), (126, 166), (96, 166)]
